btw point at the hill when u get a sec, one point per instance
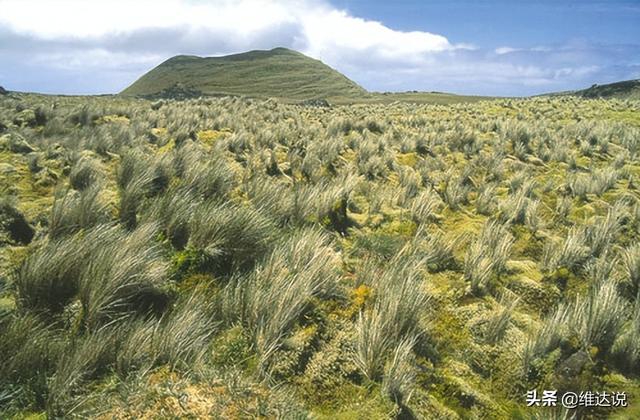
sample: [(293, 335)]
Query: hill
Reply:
[(279, 72), (627, 89)]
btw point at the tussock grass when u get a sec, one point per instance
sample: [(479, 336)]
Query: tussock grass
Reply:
[(123, 278), (76, 211), (393, 315), (85, 173), (273, 297), (487, 256), (206, 256)]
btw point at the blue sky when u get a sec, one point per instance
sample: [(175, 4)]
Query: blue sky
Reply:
[(509, 48)]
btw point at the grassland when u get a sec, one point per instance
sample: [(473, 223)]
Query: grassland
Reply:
[(243, 258)]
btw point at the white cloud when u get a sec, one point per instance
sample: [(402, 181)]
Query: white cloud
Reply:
[(506, 50), (322, 28), (101, 46)]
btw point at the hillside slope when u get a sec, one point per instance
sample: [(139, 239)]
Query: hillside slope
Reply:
[(275, 73), (628, 89)]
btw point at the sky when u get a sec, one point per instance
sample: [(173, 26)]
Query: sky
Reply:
[(491, 47)]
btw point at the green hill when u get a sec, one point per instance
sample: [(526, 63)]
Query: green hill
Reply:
[(628, 89), (279, 72)]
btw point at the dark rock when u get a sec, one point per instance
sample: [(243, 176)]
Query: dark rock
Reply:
[(14, 225), (318, 102), (573, 365), (3, 91)]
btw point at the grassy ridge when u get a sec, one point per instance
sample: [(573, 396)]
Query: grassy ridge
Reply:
[(276, 73), (627, 89)]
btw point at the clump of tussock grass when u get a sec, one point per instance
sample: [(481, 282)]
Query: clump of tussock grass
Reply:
[(135, 180), (81, 361), (597, 182), (626, 350), (604, 230), (272, 197), (598, 318), (520, 207), (173, 211), (455, 193), (85, 173), (434, 248), (631, 269), (229, 235), (48, 278), (553, 331), (123, 277), (208, 177), (563, 208), (29, 349), (393, 316), (113, 274), (571, 253), (179, 339), (487, 256), (277, 293), (410, 182), (76, 211), (425, 207), (486, 200), (399, 373), (593, 320), (499, 323)]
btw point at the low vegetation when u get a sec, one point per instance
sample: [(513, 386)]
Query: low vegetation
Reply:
[(238, 258)]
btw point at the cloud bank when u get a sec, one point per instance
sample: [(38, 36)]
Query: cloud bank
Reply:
[(76, 46)]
